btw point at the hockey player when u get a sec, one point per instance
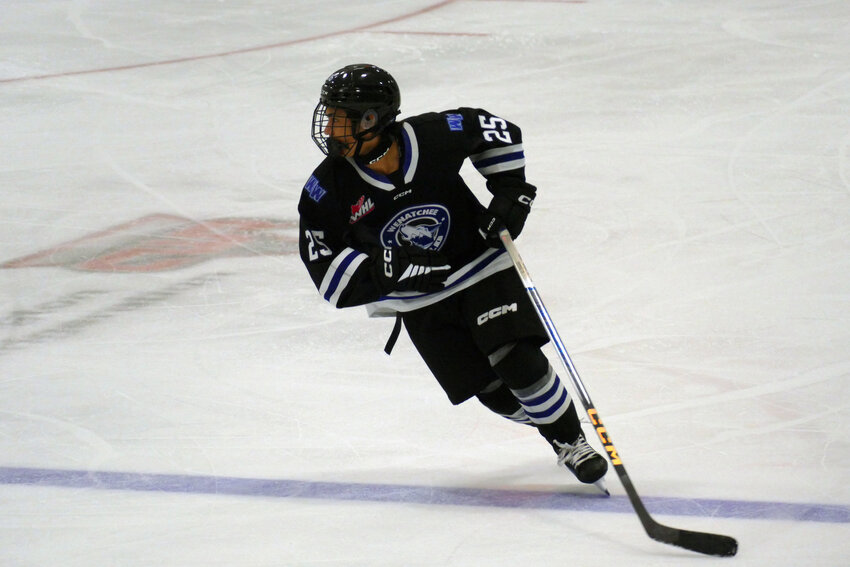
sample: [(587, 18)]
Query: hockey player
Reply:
[(387, 222)]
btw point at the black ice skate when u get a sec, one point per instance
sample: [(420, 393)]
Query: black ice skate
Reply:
[(580, 458)]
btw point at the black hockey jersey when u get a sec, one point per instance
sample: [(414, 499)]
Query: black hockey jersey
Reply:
[(348, 212)]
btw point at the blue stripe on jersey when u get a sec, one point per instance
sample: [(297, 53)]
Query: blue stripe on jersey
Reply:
[(339, 273), (471, 273), (479, 266), (407, 153), (480, 164), (485, 265)]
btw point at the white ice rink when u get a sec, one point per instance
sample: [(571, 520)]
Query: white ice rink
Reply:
[(173, 391)]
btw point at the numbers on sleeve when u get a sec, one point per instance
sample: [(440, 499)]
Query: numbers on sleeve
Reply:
[(494, 128), (316, 248)]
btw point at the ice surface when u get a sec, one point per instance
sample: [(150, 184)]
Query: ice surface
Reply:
[(174, 392)]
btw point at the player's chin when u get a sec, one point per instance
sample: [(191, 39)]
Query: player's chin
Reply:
[(339, 148)]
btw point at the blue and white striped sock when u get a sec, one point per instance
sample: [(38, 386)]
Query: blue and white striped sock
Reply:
[(546, 400), (519, 416)]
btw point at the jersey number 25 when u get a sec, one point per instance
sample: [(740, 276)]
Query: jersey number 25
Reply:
[(315, 247), (494, 129)]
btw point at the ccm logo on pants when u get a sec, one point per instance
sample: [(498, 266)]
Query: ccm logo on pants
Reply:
[(497, 312)]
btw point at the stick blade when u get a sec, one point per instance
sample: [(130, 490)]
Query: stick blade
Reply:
[(701, 542)]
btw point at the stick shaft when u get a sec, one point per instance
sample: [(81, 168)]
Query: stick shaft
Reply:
[(569, 366), (701, 542)]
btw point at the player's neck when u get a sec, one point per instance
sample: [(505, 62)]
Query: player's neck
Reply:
[(388, 162)]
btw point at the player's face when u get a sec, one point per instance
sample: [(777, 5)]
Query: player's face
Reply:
[(340, 128)]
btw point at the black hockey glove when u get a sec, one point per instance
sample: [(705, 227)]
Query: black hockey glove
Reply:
[(410, 268), (511, 203)]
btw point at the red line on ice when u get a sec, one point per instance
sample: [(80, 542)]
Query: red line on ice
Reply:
[(361, 28)]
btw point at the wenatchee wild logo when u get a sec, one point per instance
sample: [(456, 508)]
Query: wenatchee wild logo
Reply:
[(425, 226)]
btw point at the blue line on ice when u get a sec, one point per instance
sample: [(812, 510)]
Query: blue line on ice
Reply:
[(435, 495)]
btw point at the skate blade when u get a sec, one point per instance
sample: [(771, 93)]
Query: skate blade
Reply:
[(602, 486)]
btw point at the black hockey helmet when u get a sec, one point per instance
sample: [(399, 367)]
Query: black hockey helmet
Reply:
[(369, 96)]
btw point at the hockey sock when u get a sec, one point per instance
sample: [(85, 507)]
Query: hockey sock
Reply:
[(539, 391), (499, 399)]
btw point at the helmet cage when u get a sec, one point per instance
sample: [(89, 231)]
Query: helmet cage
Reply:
[(356, 126)]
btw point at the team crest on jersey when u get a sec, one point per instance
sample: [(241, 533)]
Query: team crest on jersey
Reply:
[(361, 208), (425, 226)]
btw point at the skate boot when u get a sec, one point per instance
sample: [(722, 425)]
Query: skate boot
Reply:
[(580, 458)]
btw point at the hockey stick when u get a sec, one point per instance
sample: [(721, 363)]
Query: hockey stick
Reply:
[(701, 542)]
